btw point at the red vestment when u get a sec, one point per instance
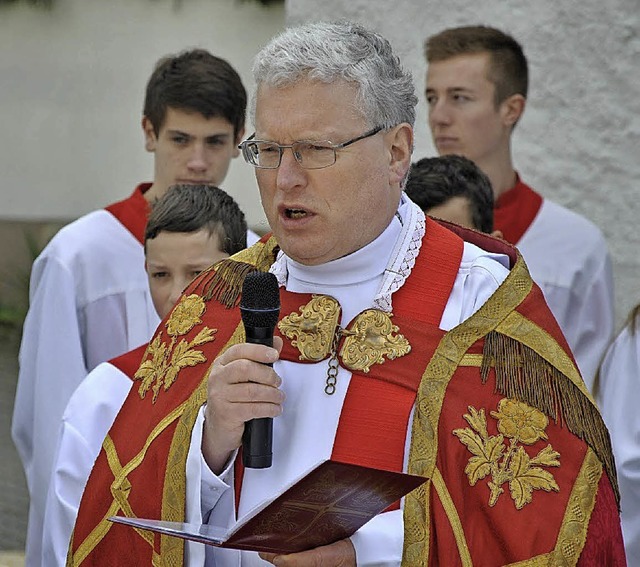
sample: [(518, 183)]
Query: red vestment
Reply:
[(448, 521)]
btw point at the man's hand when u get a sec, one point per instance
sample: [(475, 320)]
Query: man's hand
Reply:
[(339, 554), (241, 387)]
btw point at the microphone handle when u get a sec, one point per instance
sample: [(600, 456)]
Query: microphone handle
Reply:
[(257, 452)]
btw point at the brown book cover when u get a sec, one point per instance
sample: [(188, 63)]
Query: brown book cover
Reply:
[(326, 505)]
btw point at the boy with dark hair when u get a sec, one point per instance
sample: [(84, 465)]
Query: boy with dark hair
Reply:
[(476, 91), (454, 189), (190, 228), (194, 113), (89, 296), (507, 66)]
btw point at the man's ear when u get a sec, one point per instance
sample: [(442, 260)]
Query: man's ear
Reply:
[(512, 109), (150, 138), (236, 151), (400, 139)]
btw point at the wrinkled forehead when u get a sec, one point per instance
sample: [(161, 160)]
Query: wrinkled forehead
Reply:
[(306, 95)]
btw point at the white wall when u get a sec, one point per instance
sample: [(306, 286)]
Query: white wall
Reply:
[(579, 140), (72, 83)]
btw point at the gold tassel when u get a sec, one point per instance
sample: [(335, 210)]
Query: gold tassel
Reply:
[(224, 282), (524, 375)]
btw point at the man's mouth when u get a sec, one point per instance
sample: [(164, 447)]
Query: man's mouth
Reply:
[(295, 213)]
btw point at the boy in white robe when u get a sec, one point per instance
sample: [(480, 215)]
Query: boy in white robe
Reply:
[(476, 92), (189, 229)]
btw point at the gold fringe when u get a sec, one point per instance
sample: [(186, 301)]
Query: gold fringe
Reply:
[(224, 283), (524, 375)]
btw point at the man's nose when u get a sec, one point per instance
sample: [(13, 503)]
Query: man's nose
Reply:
[(290, 173)]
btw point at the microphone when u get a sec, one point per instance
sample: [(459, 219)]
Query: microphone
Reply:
[(260, 310)]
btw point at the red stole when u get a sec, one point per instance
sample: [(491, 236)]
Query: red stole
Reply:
[(515, 210), (133, 212), (374, 420)]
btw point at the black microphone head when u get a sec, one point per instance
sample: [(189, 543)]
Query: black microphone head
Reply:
[(260, 303)]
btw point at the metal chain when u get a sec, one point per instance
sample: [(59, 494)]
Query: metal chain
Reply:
[(332, 371)]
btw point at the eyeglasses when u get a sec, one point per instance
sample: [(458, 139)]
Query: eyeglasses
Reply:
[(309, 154)]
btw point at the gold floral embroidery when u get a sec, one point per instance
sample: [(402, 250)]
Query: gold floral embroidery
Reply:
[(313, 328), (164, 361), (185, 315), (519, 423), (370, 338)]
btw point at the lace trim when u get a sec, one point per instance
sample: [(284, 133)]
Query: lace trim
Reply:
[(401, 262), (403, 257)]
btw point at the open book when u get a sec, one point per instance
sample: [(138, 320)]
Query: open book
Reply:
[(329, 503)]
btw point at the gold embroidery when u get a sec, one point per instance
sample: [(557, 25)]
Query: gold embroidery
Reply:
[(519, 423), (435, 379), (121, 473), (175, 480), (185, 315), (312, 329), (371, 338), (521, 354), (573, 531), (471, 360), (453, 517), (163, 362)]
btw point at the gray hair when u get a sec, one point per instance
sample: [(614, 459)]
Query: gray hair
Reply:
[(346, 51)]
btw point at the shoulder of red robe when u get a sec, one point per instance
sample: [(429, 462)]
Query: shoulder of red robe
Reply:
[(530, 338)]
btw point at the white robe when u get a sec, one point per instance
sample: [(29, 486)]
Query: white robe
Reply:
[(89, 302), (303, 434), (618, 396), (568, 258)]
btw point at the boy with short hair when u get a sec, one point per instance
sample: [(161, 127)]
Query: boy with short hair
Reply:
[(189, 229), (476, 92)]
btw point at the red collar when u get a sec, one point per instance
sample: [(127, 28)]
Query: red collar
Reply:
[(133, 212), (515, 210)]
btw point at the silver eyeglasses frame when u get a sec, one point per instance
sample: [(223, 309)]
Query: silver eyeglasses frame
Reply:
[(251, 156)]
